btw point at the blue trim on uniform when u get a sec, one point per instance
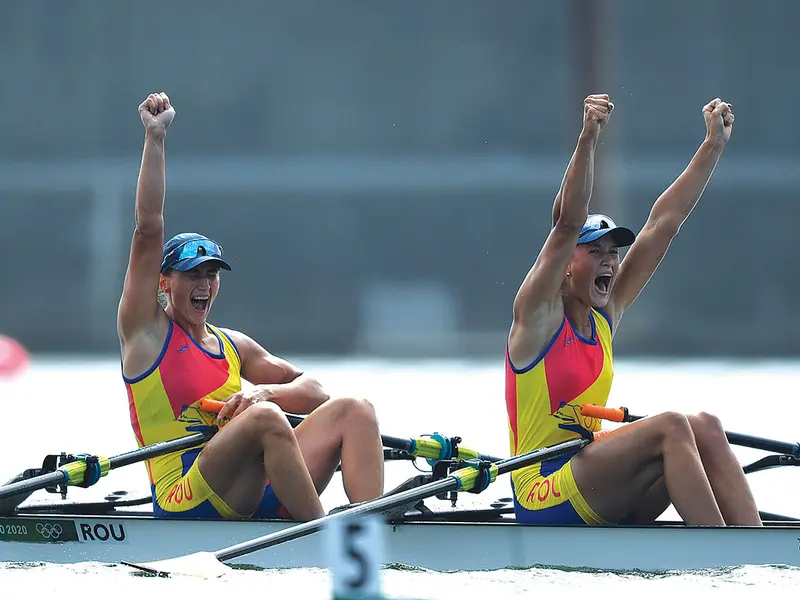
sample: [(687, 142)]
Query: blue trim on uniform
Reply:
[(232, 344), (203, 350), (158, 360), (204, 510), (207, 352), (606, 317), (548, 467), (591, 342), (269, 507), (542, 354), (187, 460), (219, 341), (560, 514)]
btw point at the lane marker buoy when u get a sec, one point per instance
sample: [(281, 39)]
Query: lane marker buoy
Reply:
[(13, 357)]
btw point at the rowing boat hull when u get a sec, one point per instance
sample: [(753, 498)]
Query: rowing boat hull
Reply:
[(439, 546)]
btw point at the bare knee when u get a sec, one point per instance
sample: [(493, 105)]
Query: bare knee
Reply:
[(674, 427), (356, 411), (706, 422), (707, 429), (267, 419)]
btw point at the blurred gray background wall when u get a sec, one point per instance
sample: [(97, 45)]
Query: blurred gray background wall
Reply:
[(381, 173)]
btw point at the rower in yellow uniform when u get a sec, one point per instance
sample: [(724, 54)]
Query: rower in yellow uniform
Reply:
[(172, 358), (559, 356), (572, 370)]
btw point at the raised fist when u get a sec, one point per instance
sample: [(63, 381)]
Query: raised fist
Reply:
[(596, 112), (719, 120), (156, 113)]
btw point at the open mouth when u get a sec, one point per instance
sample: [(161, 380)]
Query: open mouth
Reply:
[(200, 303), (602, 283)]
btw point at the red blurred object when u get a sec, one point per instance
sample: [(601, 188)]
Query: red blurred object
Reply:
[(13, 357)]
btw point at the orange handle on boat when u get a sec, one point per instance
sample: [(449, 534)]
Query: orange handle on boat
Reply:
[(620, 415), (211, 406), (214, 406)]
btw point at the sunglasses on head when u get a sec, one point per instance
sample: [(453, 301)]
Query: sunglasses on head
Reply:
[(596, 223), (192, 249)]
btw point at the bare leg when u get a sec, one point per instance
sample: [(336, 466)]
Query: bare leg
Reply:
[(653, 504), (615, 474), (727, 478), (257, 445), (724, 472), (346, 430)]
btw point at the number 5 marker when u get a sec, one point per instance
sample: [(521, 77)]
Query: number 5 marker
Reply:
[(355, 557)]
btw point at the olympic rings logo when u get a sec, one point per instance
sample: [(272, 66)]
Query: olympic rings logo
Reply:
[(49, 530)]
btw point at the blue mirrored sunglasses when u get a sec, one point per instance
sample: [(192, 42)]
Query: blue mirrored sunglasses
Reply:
[(192, 249)]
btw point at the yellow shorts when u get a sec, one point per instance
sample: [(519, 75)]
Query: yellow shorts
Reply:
[(191, 497), (550, 495)]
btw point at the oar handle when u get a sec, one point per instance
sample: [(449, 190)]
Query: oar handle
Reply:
[(210, 406), (619, 415), (214, 406)]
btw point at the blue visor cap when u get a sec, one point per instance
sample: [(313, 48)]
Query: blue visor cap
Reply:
[(187, 250), (596, 226)]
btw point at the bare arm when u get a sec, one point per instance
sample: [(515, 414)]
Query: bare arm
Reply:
[(671, 210), (557, 201), (138, 307), (538, 309), (276, 379)]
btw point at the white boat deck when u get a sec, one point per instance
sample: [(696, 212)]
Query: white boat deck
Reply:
[(135, 536)]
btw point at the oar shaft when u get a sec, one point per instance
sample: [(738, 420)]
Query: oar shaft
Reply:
[(295, 420), (388, 502), (398, 443), (121, 460), (34, 483), (759, 443), (159, 449)]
